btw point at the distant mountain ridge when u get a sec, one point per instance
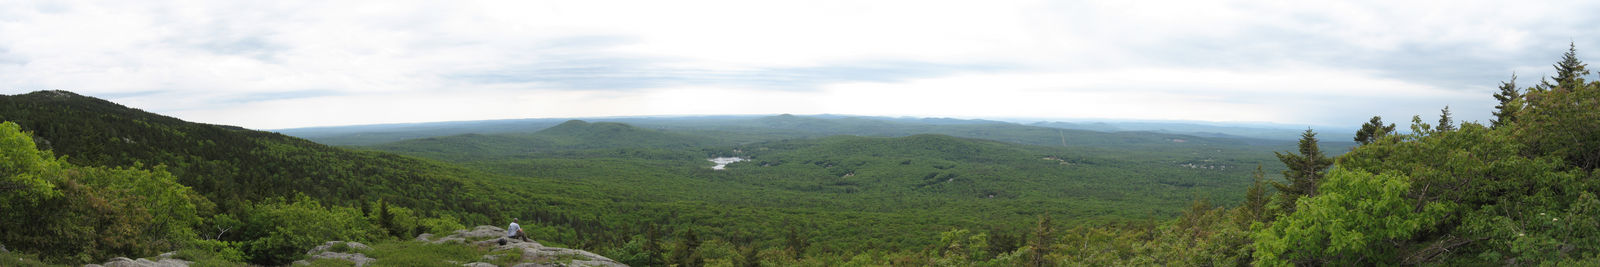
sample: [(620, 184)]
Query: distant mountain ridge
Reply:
[(1203, 130), (569, 135), (793, 126)]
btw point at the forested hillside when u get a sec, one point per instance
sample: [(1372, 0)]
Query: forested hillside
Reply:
[(85, 179), (891, 190), (232, 165), (241, 181)]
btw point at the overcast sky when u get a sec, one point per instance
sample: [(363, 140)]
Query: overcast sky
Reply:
[(284, 64)]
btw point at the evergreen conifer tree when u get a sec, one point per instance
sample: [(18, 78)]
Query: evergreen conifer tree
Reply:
[(1305, 170), (654, 255), (1445, 122), (1569, 72), (1255, 201), (1039, 243), (687, 253), (1510, 103), (1563, 120), (385, 219), (748, 253), (796, 242)]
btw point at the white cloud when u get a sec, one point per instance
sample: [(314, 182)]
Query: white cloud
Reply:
[(283, 64)]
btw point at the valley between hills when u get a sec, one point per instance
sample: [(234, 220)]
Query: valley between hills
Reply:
[(90, 180)]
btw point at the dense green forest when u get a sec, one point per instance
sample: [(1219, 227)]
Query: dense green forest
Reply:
[(891, 189), (86, 179)]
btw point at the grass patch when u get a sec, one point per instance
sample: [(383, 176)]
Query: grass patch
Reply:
[(332, 263), (563, 258), (212, 252), (507, 257), (21, 260), (344, 247), (402, 253), (213, 262)]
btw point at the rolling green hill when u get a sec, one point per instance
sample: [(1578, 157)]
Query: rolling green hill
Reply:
[(242, 177), (230, 164), (570, 135), (385, 133)]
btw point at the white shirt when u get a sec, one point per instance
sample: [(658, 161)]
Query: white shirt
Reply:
[(512, 231)]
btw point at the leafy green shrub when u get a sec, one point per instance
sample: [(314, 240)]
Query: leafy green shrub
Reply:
[(340, 247), (281, 231), (73, 214), (443, 225), (631, 253), (212, 249), (1353, 221)]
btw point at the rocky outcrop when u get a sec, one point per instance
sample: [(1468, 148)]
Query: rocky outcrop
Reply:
[(533, 253), (327, 251), (164, 260), (490, 237), (482, 232)]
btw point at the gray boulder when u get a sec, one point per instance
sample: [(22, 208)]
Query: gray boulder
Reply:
[(164, 260), (357, 258), (325, 251), (536, 254), (461, 236), (480, 232), (326, 246)]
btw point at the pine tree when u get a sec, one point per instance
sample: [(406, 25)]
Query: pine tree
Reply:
[(1001, 242), (1510, 103), (1305, 170), (1569, 72), (652, 246), (687, 253), (1445, 123), (749, 253), (385, 219), (1039, 243), (1254, 207), (796, 242), (1562, 120), (1373, 130)]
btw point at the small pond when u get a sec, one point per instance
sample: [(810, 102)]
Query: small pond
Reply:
[(723, 162)]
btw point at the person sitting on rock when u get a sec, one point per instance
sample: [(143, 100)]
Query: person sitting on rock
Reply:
[(515, 232)]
